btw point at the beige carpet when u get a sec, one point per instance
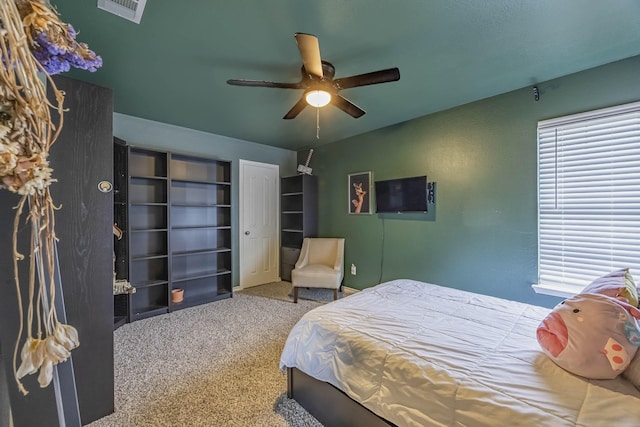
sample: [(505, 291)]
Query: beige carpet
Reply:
[(283, 291), (211, 365)]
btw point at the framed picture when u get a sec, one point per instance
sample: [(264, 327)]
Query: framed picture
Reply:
[(359, 193)]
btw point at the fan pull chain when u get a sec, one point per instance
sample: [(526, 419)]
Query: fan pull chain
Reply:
[(317, 122)]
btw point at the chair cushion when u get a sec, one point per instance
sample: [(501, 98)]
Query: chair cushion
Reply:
[(315, 276), (323, 251)]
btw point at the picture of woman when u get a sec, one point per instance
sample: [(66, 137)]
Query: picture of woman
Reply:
[(359, 193)]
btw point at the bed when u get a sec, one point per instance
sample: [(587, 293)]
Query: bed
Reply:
[(409, 353)]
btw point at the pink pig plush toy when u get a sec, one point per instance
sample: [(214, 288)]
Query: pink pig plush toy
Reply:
[(596, 333)]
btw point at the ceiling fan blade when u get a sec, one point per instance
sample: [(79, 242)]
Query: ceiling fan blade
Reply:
[(296, 109), (373, 78), (261, 83), (310, 52), (347, 106)]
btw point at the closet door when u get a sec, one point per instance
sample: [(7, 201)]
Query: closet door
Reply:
[(81, 158), (84, 154)]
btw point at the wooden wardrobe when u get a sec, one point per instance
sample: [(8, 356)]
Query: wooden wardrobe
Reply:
[(81, 158)]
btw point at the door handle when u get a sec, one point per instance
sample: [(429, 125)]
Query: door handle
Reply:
[(246, 233)]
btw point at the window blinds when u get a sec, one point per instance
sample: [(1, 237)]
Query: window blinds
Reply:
[(589, 196)]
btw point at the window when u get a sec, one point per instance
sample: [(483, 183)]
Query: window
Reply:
[(588, 198)]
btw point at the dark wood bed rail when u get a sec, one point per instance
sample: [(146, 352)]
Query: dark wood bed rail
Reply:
[(330, 406)]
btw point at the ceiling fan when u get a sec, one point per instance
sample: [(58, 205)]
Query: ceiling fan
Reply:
[(318, 83)]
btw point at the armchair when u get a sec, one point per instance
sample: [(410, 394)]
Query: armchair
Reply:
[(320, 265)]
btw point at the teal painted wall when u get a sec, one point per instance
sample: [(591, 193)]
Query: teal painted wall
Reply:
[(161, 136), (483, 235)]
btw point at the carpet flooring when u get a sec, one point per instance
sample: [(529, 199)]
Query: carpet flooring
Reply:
[(211, 365), (284, 292)]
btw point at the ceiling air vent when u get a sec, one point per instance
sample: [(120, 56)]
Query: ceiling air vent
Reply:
[(127, 9)]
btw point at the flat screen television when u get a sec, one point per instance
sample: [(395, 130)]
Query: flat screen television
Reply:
[(402, 195)]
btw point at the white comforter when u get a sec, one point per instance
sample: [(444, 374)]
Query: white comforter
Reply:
[(419, 354)]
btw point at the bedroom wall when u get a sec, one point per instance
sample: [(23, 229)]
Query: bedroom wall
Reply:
[(161, 136), (483, 235)]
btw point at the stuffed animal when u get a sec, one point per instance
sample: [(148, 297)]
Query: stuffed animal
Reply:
[(596, 333)]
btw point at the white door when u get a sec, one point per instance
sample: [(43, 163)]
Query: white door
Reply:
[(259, 223)]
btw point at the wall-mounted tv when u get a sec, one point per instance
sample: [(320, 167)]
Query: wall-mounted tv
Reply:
[(402, 195)]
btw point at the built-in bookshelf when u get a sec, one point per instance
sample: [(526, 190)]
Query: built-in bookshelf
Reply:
[(178, 220), (148, 232), (200, 194), (121, 313), (298, 218)]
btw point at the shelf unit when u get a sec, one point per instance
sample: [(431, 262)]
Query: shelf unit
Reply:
[(120, 218), (298, 218), (148, 232), (200, 230), (176, 210)]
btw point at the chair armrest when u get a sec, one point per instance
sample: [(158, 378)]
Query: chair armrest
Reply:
[(339, 264), (303, 259)]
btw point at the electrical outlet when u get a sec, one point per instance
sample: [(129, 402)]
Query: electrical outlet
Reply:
[(353, 269)]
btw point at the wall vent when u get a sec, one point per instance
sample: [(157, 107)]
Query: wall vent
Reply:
[(127, 9)]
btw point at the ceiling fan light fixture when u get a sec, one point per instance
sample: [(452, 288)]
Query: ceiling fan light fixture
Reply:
[(318, 83), (317, 98)]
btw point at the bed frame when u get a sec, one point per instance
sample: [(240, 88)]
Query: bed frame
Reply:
[(329, 405)]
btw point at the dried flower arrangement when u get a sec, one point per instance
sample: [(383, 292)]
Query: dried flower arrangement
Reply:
[(53, 42), (34, 42)]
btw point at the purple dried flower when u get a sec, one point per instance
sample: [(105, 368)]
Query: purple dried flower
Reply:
[(54, 45)]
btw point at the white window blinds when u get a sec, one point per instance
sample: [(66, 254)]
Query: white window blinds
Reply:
[(588, 196)]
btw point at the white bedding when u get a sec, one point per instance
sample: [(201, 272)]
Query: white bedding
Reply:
[(419, 354)]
